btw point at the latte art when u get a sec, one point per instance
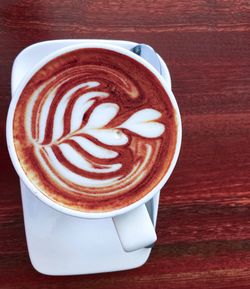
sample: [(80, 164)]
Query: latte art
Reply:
[(89, 135), (62, 149)]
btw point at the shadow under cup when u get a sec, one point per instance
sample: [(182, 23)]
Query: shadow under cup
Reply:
[(94, 131)]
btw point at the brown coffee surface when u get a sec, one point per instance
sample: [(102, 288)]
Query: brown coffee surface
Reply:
[(94, 130)]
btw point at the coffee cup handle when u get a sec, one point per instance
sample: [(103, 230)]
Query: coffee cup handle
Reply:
[(135, 229)]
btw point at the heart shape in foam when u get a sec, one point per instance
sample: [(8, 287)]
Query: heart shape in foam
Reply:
[(142, 123)]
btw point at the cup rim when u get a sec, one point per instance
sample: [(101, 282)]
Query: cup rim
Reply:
[(33, 188)]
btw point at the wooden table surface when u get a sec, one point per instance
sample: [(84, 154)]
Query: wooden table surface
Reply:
[(204, 217)]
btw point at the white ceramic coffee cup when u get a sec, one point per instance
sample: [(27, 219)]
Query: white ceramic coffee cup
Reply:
[(133, 223)]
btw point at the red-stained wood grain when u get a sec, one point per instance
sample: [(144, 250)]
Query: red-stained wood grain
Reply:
[(204, 217)]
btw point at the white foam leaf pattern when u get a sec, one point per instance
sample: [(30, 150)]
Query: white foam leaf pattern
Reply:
[(143, 123), (82, 105), (72, 176), (102, 115), (81, 145), (79, 161), (93, 149), (61, 108), (44, 114)]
